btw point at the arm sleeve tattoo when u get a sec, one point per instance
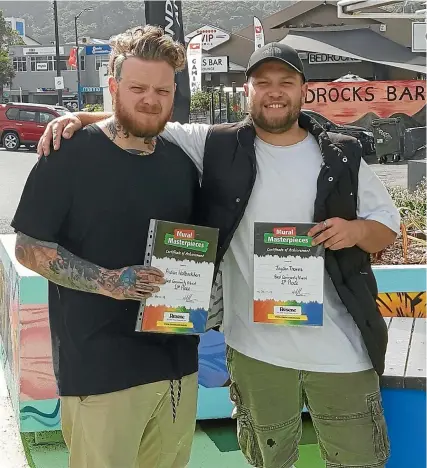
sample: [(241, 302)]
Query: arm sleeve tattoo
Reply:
[(60, 266)]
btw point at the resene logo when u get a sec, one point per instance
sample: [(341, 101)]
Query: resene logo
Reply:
[(185, 239)]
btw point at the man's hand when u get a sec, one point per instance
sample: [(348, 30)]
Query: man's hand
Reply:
[(64, 126), (135, 282), (337, 233)]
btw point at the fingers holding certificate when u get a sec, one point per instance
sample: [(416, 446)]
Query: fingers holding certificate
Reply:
[(288, 275)]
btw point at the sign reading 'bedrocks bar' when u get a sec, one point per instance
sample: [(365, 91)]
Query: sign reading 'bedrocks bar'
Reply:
[(361, 102), (314, 59)]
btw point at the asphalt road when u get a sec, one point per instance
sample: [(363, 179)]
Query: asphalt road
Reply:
[(15, 167), (14, 170)]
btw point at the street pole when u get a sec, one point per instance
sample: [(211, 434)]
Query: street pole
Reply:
[(79, 92), (58, 58)]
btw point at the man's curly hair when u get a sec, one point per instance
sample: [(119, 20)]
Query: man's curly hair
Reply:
[(148, 43)]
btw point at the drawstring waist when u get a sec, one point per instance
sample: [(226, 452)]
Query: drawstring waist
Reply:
[(175, 401)]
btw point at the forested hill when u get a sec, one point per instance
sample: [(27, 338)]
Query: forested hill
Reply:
[(109, 18)]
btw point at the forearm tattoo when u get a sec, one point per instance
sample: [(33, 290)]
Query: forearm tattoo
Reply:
[(60, 266)]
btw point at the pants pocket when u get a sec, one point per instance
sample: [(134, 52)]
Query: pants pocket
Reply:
[(380, 436), (246, 435)]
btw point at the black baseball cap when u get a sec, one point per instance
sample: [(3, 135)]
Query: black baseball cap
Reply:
[(275, 51)]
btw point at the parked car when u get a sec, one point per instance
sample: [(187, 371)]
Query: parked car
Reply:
[(365, 137), (24, 124)]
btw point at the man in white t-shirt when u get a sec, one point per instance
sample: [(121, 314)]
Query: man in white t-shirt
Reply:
[(279, 167)]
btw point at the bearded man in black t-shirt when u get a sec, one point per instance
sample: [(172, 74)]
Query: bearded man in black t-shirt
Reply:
[(128, 399)]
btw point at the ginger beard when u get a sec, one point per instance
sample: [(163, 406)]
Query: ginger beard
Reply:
[(144, 121), (265, 119)]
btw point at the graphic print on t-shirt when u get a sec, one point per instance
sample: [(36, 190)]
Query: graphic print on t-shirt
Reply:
[(288, 275)]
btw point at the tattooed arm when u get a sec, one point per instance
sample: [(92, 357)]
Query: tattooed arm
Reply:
[(60, 266)]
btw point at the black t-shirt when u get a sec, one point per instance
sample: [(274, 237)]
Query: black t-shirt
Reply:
[(96, 200)]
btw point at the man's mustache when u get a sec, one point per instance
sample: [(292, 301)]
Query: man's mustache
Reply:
[(149, 109)]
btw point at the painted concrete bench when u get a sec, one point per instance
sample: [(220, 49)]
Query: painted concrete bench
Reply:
[(404, 391), (25, 352)]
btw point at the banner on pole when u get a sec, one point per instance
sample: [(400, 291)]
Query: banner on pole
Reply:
[(194, 60), (168, 15), (259, 33)]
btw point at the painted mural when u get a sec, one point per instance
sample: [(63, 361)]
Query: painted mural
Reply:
[(25, 350), (359, 103), (402, 304), (9, 329)]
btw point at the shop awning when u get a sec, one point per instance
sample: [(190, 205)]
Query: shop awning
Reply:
[(362, 44)]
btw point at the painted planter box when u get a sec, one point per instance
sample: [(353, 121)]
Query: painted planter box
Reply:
[(25, 347)]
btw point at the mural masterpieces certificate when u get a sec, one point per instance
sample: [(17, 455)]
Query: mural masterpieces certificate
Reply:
[(288, 275), (186, 255)]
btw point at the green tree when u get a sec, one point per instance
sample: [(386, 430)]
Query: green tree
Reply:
[(201, 103), (8, 37)]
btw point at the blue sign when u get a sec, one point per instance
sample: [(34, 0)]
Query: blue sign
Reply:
[(20, 28), (91, 89), (100, 49)]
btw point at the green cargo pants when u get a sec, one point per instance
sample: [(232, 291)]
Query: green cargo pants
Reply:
[(346, 411)]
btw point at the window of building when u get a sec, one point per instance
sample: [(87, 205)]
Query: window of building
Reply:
[(99, 60), (27, 116), (12, 113), (45, 117), (82, 63), (42, 63), (20, 64)]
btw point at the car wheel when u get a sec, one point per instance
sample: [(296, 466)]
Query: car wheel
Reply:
[(11, 141)]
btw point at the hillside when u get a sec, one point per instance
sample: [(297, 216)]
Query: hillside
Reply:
[(109, 18)]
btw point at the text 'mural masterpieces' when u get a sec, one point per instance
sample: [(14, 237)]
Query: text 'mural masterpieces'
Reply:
[(288, 275), (186, 255)]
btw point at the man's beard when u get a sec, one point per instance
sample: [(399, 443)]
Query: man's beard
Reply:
[(131, 126), (276, 124)]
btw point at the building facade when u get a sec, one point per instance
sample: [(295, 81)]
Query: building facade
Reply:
[(320, 34), (35, 72)]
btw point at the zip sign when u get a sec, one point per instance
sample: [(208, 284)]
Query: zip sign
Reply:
[(211, 36)]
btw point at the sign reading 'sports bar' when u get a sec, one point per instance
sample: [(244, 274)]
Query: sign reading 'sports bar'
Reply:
[(286, 311)]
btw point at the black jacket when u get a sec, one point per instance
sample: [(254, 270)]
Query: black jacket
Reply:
[(229, 173)]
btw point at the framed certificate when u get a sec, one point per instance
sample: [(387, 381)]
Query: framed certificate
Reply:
[(186, 255), (288, 275)]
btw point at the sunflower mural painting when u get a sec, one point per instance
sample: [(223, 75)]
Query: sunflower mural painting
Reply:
[(402, 304)]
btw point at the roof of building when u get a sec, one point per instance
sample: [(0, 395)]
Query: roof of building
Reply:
[(356, 43)]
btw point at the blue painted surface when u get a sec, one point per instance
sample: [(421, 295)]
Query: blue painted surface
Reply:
[(397, 279), (405, 412), (401, 278), (212, 368), (33, 290), (214, 403)]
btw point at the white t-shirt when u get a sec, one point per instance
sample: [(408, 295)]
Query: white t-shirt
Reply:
[(288, 173)]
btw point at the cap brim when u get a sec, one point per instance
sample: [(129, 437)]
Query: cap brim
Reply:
[(267, 59)]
